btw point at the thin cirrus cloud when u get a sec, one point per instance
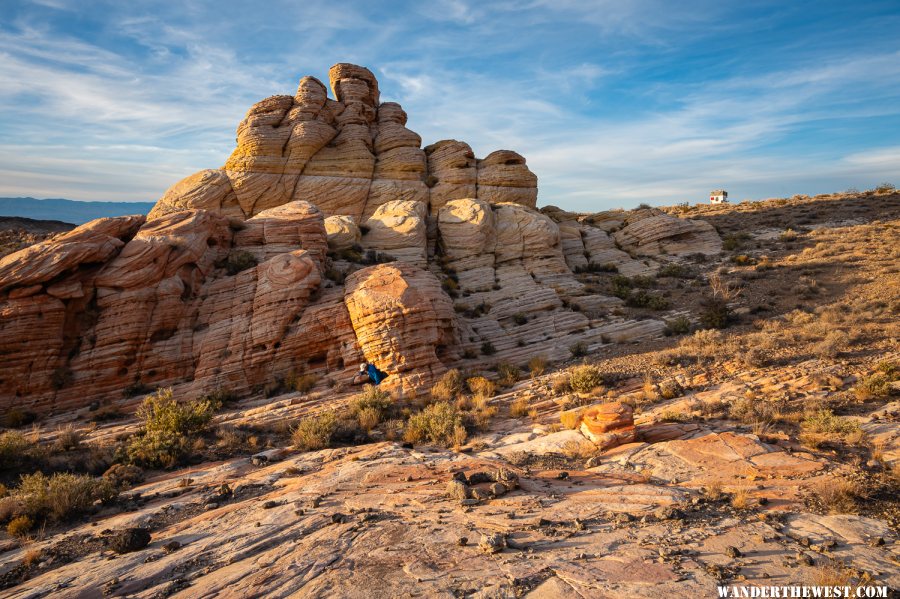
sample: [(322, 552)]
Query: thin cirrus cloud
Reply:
[(612, 103)]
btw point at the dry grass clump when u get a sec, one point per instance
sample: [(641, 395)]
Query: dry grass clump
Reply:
[(315, 432), (519, 407), (481, 387), (68, 438), (584, 378), (170, 429), (537, 366), (508, 374), (836, 496), (832, 345), (740, 499), (448, 386), (302, 383), (834, 574), (578, 450), (481, 413), (19, 526), (571, 419), (752, 411), (439, 423), (823, 425)]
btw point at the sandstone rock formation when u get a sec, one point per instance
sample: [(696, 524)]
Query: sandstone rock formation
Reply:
[(608, 424), (330, 236)]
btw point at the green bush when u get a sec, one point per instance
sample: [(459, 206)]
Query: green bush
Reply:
[(678, 326), (315, 432), (825, 421), (438, 423), (585, 377), (715, 314), (578, 349), (169, 428), (488, 349), (61, 496), (371, 407)]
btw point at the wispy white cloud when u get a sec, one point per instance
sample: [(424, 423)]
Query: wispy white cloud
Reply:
[(581, 88)]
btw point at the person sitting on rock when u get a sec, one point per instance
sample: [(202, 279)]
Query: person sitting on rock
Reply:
[(369, 373)]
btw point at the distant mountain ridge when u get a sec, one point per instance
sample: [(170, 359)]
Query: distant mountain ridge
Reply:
[(69, 211)]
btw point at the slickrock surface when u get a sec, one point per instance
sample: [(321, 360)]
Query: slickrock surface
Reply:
[(263, 269)]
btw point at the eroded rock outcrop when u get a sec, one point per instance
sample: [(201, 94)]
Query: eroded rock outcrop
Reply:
[(348, 156), (329, 237)]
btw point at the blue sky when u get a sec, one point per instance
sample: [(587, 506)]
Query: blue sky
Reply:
[(612, 102)]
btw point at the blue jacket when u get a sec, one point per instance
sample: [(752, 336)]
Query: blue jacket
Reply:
[(375, 375)]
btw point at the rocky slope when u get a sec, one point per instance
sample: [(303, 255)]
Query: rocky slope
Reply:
[(330, 237)]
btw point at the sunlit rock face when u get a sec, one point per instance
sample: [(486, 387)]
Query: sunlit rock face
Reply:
[(330, 237)]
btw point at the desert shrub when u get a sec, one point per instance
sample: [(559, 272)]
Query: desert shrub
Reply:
[(570, 419), (520, 318), (19, 526), (788, 235), (481, 413), (438, 423), (508, 374), (675, 270), (705, 343), (169, 429), (584, 378), (13, 445), (644, 299), (885, 188), (519, 407), (678, 326), (825, 421), (302, 383), (239, 260), (832, 345), (560, 385), (16, 417), (835, 496), (61, 496), (743, 260), (537, 365), (368, 418), (68, 438), (469, 354), (872, 386), (488, 349), (448, 386), (123, 476), (670, 389), (751, 410), (733, 241), (481, 387), (578, 349), (715, 314), (370, 407), (755, 357), (314, 432)]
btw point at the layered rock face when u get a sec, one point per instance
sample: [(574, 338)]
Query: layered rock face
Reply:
[(348, 156), (329, 237)]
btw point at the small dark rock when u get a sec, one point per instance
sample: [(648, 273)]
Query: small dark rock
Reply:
[(339, 518), (480, 477), (763, 501), (876, 541), (497, 489), (270, 504), (563, 476), (128, 539), (171, 546), (462, 541), (733, 552)]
